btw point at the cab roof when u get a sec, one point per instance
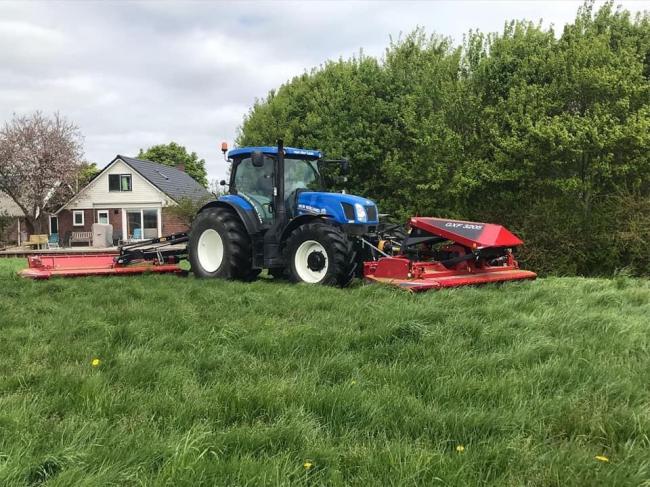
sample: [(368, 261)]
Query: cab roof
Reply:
[(273, 150)]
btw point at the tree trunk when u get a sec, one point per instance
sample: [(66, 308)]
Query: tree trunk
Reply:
[(32, 225)]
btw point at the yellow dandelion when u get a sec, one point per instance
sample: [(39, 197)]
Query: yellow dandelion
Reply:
[(602, 458), (95, 362), (308, 465), (460, 448)]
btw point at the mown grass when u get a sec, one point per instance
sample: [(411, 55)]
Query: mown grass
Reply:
[(221, 383)]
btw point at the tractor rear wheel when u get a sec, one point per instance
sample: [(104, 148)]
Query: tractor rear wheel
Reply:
[(319, 253), (219, 246)]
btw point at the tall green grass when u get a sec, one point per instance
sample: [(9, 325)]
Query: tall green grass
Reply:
[(226, 383)]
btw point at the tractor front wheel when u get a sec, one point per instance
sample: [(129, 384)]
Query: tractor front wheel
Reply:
[(319, 253), (219, 246)]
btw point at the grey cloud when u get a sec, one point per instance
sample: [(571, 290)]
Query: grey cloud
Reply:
[(133, 74)]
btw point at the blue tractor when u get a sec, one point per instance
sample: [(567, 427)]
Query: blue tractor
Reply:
[(277, 216)]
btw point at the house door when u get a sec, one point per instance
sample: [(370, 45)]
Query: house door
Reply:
[(54, 225), (134, 224), (142, 224)]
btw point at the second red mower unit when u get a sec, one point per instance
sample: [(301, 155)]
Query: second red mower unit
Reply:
[(159, 255)]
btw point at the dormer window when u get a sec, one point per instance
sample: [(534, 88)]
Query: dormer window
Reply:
[(119, 182)]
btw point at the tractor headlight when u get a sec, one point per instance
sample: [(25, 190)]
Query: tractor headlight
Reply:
[(362, 216)]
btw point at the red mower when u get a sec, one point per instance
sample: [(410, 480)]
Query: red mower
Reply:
[(432, 253), (439, 253)]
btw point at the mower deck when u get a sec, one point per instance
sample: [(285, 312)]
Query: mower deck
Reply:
[(476, 253), (46, 266), (391, 270)]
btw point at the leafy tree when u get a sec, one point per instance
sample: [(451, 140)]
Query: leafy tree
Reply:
[(39, 158), (86, 173), (187, 209), (568, 127), (173, 154)]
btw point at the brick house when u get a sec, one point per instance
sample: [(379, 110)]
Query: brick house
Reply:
[(130, 194), (12, 224)]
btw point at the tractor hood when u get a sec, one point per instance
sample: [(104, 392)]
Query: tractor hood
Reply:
[(344, 208)]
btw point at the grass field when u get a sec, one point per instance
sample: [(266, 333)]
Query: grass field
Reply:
[(217, 383)]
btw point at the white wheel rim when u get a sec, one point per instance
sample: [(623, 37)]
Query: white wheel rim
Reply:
[(210, 250), (300, 261)]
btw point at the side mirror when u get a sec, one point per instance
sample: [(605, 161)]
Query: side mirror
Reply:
[(257, 158), (222, 182), (345, 167)]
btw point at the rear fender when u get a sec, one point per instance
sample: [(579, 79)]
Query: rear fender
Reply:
[(248, 218)]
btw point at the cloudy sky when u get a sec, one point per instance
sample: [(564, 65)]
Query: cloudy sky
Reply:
[(134, 74)]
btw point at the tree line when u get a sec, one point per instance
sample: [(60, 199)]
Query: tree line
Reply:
[(545, 132)]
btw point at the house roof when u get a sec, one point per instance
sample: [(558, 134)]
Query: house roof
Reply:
[(171, 181), (174, 183), (8, 207)]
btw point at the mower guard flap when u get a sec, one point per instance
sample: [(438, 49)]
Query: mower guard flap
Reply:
[(469, 234)]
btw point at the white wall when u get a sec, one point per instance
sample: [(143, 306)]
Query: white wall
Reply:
[(97, 195)]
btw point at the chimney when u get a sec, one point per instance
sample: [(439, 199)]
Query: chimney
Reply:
[(180, 166)]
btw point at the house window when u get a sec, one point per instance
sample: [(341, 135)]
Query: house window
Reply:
[(78, 218), (119, 182), (102, 217)]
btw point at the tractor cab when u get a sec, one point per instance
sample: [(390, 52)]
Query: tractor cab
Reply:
[(252, 177)]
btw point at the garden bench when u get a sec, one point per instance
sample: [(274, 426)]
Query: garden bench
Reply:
[(80, 237), (37, 241)]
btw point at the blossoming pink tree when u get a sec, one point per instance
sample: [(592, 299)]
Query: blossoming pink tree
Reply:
[(39, 160)]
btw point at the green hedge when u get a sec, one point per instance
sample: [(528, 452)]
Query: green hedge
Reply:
[(545, 132)]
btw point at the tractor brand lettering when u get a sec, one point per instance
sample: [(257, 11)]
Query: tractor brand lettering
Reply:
[(312, 209), (464, 226), (257, 213)]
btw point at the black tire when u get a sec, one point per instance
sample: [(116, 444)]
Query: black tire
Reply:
[(236, 262), (341, 262), (252, 275), (278, 273)]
